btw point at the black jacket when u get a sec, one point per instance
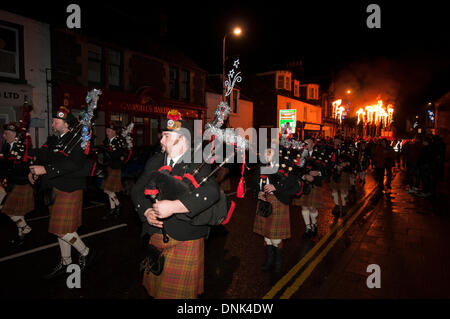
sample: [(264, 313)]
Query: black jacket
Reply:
[(196, 201), (285, 186), (117, 152), (13, 169), (65, 171)]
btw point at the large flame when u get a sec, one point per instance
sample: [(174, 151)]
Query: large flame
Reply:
[(376, 114)]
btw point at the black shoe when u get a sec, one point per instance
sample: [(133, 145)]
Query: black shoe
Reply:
[(344, 211), (112, 213), (278, 260), (18, 241), (336, 210), (270, 253), (85, 261), (57, 271), (308, 233), (314, 230)]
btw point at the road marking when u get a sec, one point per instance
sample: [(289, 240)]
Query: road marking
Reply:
[(56, 244), (305, 274), (286, 278), (47, 216)]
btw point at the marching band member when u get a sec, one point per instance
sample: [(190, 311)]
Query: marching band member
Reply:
[(116, 149), (277, 189), (312, 201), (183, 271), (64, 173), (14, 169), (340, 180)]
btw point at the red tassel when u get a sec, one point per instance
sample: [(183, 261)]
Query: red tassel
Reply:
[(86, 151), (240, 190)]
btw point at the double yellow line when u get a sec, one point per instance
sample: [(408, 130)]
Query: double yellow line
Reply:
[(305, 274)]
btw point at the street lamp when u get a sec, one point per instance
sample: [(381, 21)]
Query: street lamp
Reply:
[(236, 31)]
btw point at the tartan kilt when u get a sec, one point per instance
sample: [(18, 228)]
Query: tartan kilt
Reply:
[(277, 225), (113, 180), (313, 199), (344, 183), (19, 201), (183, 273), (65, 213)]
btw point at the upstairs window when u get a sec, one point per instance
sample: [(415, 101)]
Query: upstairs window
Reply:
[(94, 63), (185, 85), (115, 67), (280, 82), (11, 39), (173, 83), (288, 83)]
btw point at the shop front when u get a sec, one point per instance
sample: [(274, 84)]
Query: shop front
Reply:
[(145, 112)]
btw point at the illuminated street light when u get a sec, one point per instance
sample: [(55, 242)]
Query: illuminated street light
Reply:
[(237, 31)]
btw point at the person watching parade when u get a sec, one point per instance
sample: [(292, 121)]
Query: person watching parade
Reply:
[(63, 168), (14, 163), (181, 243)]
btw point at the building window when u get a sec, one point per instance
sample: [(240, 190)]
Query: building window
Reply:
[(115, 62), (280, 83), (185, 87), (94, 63), (173, 83), (296, 90), (11, 38), (288, 83)]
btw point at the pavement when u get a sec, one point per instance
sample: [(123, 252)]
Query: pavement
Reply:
[(405, 235)]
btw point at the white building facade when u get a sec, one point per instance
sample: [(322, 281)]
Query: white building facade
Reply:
[(25, 62)]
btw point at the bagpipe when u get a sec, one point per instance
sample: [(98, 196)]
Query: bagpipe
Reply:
[(161, 185), (19, 156), (346, 156), (80, 134)]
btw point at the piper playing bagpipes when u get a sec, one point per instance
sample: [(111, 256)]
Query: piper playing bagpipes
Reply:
[(274, 190), (116, 151), (14, 166), (62, 168), (340, 179), (168, 221), (313, 164)]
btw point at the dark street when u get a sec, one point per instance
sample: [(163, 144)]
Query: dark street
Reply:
[(394, 231)]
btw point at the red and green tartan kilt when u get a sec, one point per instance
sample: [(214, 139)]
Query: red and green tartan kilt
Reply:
[(19, 201), (343, 184), (183, 273), (65, 213), (313, 199), (113, 180), (277, 225)]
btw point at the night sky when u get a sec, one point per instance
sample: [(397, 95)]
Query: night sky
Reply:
[(407, 61)]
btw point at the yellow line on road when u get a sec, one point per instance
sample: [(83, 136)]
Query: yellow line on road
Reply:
[(300, 280), (286, 278)]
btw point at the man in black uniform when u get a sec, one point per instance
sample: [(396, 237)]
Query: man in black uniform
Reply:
[(183, 272), (63, 167), (14, 162)]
